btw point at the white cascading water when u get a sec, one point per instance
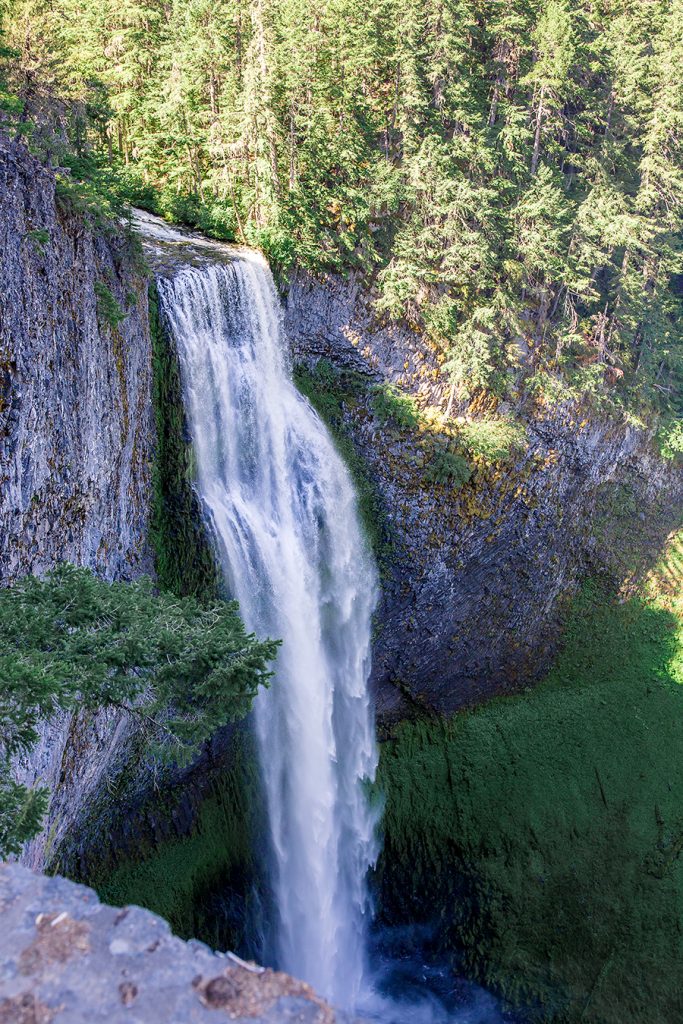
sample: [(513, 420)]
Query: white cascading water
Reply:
[(283, 509)]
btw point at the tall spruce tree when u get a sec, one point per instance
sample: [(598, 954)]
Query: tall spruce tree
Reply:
[(510, 172)]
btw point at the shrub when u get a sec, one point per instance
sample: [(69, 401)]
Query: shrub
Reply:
[(548, 388), (390, 403), (88, 197), (494, 440), (324, 389), (40, 237), (180, 669), (214, 217), (448, 468), (109, 311), (671, 439), (278, 246)]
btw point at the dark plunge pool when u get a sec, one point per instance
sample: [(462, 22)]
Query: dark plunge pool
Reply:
[(414, 983)]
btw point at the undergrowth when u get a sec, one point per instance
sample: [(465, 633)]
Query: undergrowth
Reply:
[(199, 881), (109, 311)]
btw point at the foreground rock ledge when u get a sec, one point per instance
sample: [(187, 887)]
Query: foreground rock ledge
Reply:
[(66, 957)]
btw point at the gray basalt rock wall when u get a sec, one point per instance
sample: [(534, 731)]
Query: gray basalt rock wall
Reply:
[(76, 434), (476, 580)]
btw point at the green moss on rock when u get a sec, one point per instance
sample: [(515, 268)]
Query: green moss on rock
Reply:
[(185, 563), (330, 391), (548, 827)]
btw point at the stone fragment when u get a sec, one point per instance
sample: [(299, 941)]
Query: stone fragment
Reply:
[(58, 938), (25, 1009)]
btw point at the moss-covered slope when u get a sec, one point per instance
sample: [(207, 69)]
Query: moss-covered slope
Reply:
[(548, 826)]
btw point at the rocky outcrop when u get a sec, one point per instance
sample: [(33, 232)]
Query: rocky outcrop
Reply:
[(65, 957), (475, 579), (76, 429), (76, 425)]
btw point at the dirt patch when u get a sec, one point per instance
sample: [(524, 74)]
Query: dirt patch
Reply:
[(59, 938), (25, 1009)]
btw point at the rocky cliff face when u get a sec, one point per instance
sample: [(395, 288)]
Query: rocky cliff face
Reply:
[(75, 411), (76, 428), (475, 578)]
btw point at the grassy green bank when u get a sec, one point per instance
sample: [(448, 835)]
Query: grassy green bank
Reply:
[(547, 828)]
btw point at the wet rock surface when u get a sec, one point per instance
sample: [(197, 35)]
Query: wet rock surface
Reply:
[(170, 249), (476, 580), (66, 957)]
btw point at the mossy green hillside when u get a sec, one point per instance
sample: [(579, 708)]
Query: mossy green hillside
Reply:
[(547, 828)]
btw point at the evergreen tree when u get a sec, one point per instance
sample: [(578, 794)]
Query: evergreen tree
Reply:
[(72, 641)]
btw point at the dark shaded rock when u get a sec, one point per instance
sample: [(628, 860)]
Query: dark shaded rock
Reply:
[(76, 425)]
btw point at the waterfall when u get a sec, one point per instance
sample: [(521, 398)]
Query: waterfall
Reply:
[(283, 510)]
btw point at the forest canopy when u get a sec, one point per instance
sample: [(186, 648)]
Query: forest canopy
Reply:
[(508, 171)]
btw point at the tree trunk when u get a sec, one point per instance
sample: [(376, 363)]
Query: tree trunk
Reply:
[(259, 26), (292, 148), (537, 134)]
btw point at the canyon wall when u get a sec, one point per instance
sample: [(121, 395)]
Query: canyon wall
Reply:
[(76, 426), (76, 429), (476, 580)]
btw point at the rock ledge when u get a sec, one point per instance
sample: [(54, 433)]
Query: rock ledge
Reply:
[(66, 957)]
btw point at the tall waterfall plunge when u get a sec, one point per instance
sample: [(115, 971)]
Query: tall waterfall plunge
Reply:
[(283, 510)]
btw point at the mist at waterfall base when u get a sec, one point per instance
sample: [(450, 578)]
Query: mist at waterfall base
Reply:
[(282, 510)]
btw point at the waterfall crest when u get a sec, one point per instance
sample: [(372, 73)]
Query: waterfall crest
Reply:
[(283, 510)]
